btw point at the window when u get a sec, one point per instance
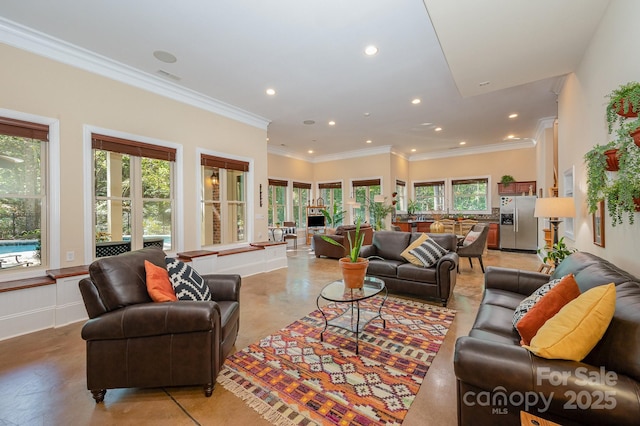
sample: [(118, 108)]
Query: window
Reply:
[(132, 194), (224, 202), (470, 195), (365, 190), (401, 196), (331, 193), (430, 196), (277, 201), (301, 193), (23, 194), (567, 189)]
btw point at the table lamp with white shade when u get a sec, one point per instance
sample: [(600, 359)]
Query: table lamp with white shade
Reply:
[(555, 208)]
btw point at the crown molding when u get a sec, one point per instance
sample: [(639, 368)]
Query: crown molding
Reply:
[(284, 153), (28, 39), (386, 149), (543, 124), (484, 149)]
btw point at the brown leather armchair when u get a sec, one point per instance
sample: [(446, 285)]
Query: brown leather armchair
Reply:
[(324, 248), (134, 342)]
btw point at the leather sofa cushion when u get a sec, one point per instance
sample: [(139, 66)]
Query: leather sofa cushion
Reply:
[(495, 321), (390, 244), (383, 268), (503, 298), (121, 280), (412, 272), (229, 314)]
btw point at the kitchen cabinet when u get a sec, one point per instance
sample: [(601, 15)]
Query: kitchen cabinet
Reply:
[(424, 227), (404, 226), (493, 238), (517, 188)]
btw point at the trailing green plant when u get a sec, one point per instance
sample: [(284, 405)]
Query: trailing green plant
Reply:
[(557, 252), (597, 180), (335, 216), (625, 187), (507, 179), (354, 245), (625, 97)]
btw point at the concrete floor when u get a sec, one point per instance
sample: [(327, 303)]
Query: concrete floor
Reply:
[(42, 375)]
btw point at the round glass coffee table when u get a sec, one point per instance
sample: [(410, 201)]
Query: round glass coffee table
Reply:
[(354, 318)]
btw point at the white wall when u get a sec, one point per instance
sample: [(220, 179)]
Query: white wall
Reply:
[(610, 60)]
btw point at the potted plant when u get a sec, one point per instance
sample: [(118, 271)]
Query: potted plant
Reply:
[(596, 161), (333, 217), (412, 207), (557, 252), (354, 268), (507, 179), (379, 211), (624, 102), (623, 193)]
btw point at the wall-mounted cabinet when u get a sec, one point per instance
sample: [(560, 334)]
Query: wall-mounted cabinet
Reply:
[(517, 188)]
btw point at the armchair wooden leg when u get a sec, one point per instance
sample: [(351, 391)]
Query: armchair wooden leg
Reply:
[(98, 395), (470, 263), (481, 265), (208, 389)]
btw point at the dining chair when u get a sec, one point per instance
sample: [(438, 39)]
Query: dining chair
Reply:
[(290, 233)]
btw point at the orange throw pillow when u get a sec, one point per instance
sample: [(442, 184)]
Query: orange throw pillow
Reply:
[(158, 284), (550, 304)]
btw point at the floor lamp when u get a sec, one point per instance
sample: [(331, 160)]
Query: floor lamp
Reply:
[(554, 208)]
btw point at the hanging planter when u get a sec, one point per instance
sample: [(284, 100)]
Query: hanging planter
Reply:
[(624, 103), (629, 113), (613, 164), (636, 136)]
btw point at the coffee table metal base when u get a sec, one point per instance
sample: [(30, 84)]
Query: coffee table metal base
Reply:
[(354, 318)]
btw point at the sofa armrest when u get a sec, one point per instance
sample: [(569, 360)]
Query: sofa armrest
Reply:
[(515, 280), (224, 286), (367, 251), (153, 319), (557, 386)]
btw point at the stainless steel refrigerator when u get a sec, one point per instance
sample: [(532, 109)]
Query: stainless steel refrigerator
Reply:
[(518, 227)]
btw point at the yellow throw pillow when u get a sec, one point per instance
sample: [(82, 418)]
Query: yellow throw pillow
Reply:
[(408, 256), (577, 327)]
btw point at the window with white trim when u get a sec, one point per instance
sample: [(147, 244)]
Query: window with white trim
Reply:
[(301, 194), (277, 195), (331, 193), (470, 195), (133, 196), (224, 201), (364, 191), (23, 194), (430, 196)]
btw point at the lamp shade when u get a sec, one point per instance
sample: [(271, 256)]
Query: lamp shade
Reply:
[(555, 207)]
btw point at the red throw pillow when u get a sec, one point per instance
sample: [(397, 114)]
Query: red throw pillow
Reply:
[(158, 284), (550, 304)]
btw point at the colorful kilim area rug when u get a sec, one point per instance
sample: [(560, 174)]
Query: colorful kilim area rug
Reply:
[(292, 378)]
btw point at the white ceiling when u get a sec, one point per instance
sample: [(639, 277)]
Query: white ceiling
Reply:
[(311, 53)]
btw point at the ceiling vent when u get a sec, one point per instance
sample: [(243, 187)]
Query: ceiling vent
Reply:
[(168, 75)]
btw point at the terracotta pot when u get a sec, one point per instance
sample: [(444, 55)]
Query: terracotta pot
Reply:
[(353, 272), (612, 160), (437, 227), (630, 114), (636, 201), (636, 136)]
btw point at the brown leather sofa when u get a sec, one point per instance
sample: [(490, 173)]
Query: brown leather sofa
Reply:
[(401, 276), (134, 342), (497, 378), (324, 248)]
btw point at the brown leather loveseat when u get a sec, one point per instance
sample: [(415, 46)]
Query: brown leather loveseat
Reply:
[(385, 262), (324, 248), (497, 378), (134, 342)]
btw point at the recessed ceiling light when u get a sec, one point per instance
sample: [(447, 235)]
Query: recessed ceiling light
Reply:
[(309, 122), (416, 101), (332, 123), (165, 57), (370, 50), (514, 115), (511, 136), (463, 143), (437, 129), (484, 83), (310, 151), (413, 150), (426, 124), (367, 114), (267, 139), (270, 92), (369, 141)]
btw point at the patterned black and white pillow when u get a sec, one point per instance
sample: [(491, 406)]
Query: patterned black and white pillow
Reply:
[(528, 303), (429, 252), (186, 282)]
